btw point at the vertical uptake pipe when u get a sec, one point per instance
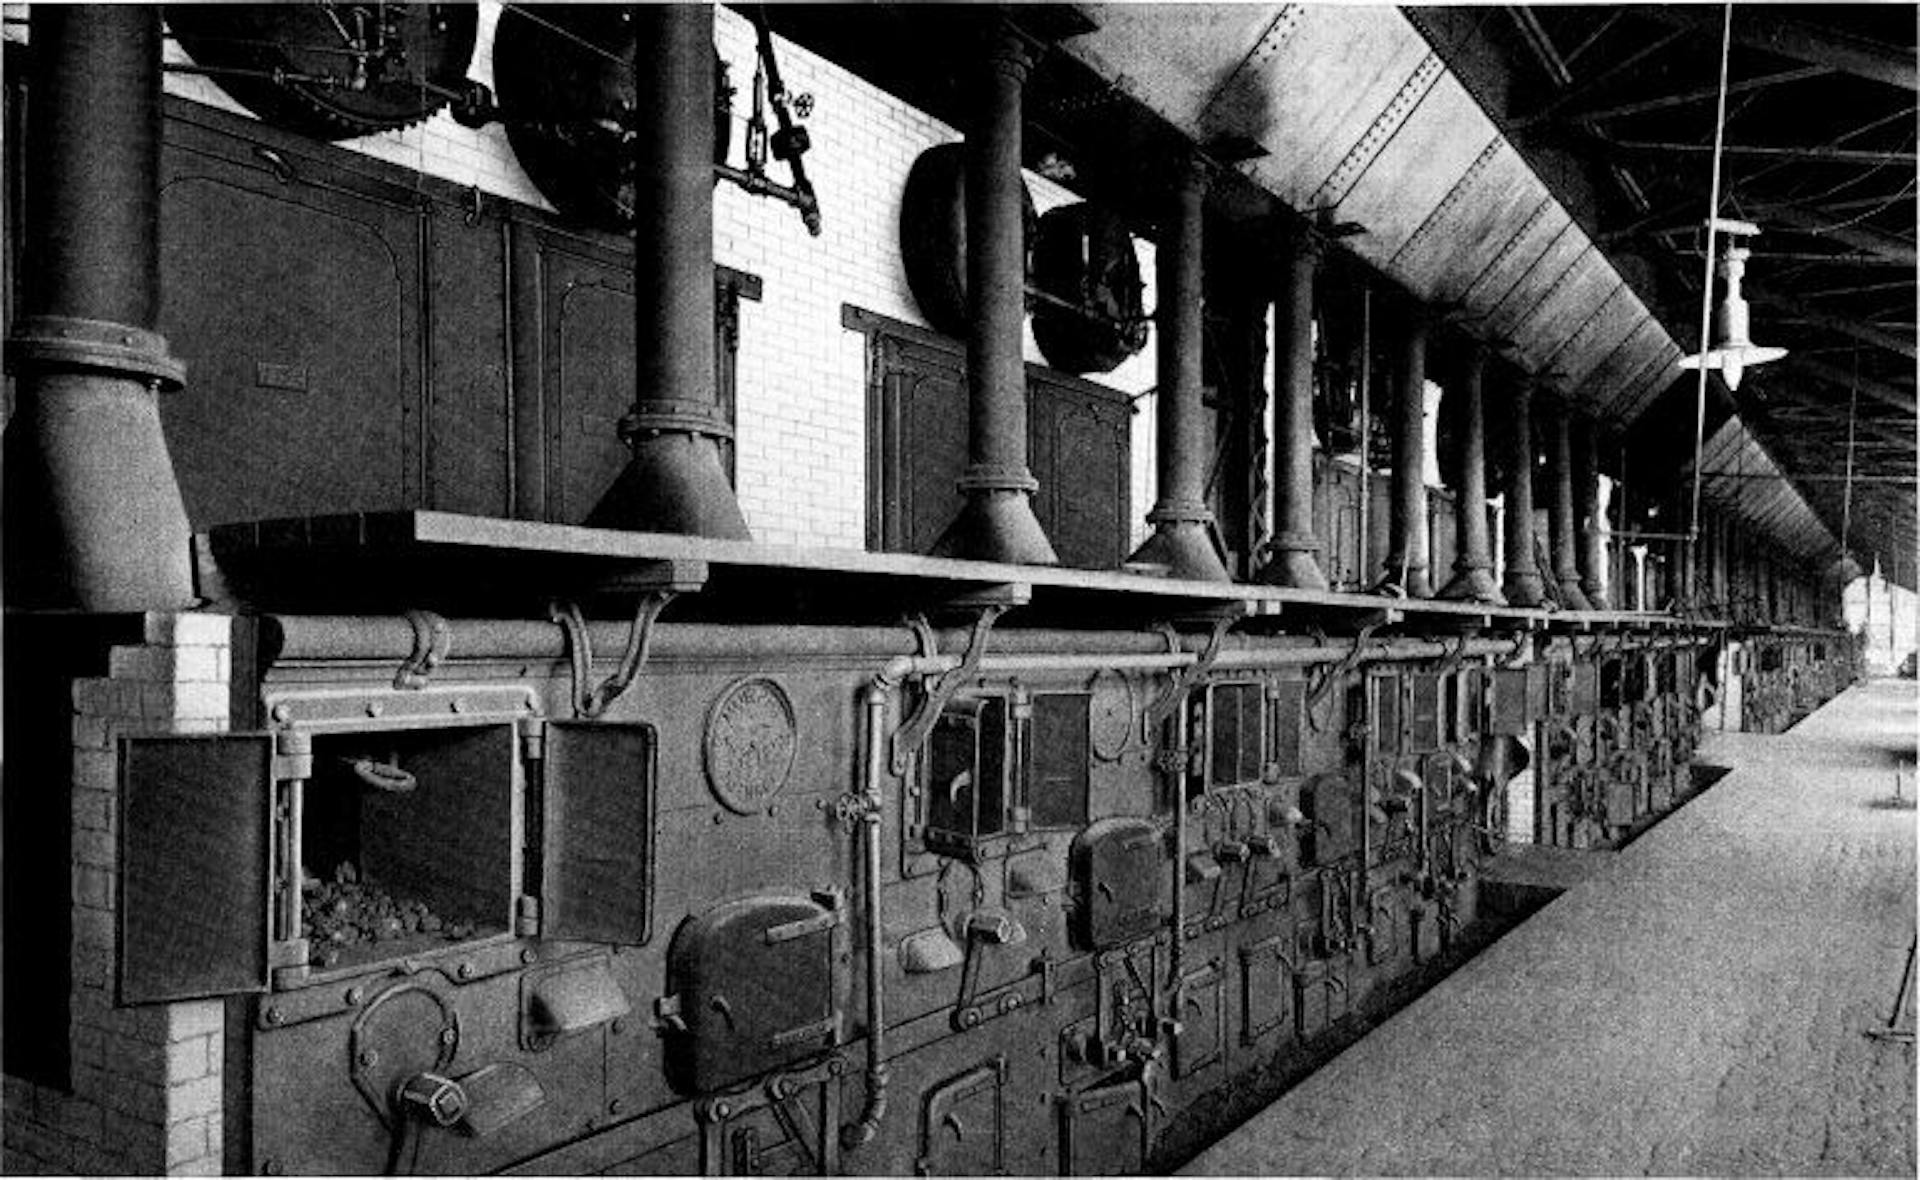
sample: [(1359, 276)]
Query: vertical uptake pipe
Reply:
[(675, 482), (1182, 537), (94, 519), (1295, 559), (997, 522), (1592, 549), (1523, 585), (1566, 570), (1406, 565), (1473, 568)]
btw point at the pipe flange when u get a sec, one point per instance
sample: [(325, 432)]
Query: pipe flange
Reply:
[(983, 477), (55, 341), (1294, 543), (1180, 512), (681, 417)]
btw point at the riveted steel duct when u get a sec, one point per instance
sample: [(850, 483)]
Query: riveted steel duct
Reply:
[(1592, 543), (1295, 561), (675, 482), (1560, 514), (1473, 568), (94, 519), (997, 521), (1406, 566), (1183, 537), (1523, 585)]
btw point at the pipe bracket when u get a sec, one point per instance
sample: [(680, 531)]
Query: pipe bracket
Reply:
[(431, 638), (1182, 681), (913, 732)]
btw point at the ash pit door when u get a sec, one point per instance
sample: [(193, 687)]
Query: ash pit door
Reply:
[(196, 866), (597, 809)]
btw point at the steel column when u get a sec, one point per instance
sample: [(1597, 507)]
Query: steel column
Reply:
[(1406, 565), (94, 519), (1183, 526), (1523, 584), (1560, 514), (1295, 558), (1473, 568), (675, 482), (997, 522), (1591, 542)]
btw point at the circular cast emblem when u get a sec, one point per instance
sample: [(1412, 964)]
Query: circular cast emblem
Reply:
[(750, 744)]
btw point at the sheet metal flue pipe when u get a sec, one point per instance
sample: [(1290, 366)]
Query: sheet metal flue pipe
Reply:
[(1473, 568), (1183, 533), (997, 522), (1295, 560), (1560, 514), (94, 518), (1523, 584), (1592, 541), (674, 482), (1406, 565)]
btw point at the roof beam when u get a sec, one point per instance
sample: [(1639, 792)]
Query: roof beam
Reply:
[(1681, 98), (1880, 391), (1593, 85), (1851, 327), (1802, 41), (1798, 154), (1872, 241)]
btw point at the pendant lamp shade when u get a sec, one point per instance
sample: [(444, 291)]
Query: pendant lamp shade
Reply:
[(1733, 351)]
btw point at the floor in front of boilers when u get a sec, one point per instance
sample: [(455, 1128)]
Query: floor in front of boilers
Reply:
[(1697, 1004)]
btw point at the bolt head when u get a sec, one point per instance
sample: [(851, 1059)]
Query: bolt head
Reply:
[(275, 1016), (448, 1036)]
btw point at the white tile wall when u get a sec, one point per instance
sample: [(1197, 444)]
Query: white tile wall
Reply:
[(802, 376)]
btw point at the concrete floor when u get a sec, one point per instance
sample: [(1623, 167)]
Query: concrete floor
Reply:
[(1695, 1006)]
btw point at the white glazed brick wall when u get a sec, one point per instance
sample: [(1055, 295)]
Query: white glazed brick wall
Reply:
[(802, 376), (146, 1082)]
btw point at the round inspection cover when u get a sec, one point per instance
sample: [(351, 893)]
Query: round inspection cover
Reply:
[(331, 71), (933, 235), (405, 1030), (1083, 253), (564, 78)]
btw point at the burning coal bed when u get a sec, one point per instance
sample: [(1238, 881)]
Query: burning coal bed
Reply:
[(350, 915)]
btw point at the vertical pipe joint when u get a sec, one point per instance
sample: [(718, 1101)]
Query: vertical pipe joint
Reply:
[(1473, 568), (1523, 584), (1406, 564), (675, 482), (94, 518), (997, 522), (1183, 539), (1560, 519), (1295, 558), (1592, 538)]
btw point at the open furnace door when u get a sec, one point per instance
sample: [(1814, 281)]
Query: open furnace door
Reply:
[(597, 782), (196, 866)]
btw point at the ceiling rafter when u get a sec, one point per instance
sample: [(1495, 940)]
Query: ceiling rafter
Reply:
[(1802, 41)]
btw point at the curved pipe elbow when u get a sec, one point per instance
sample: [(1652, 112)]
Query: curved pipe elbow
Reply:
[(857, 1135)]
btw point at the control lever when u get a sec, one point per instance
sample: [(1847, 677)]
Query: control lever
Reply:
[(987, 926)]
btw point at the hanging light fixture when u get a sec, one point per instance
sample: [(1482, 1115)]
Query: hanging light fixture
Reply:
[(1732, 350)]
